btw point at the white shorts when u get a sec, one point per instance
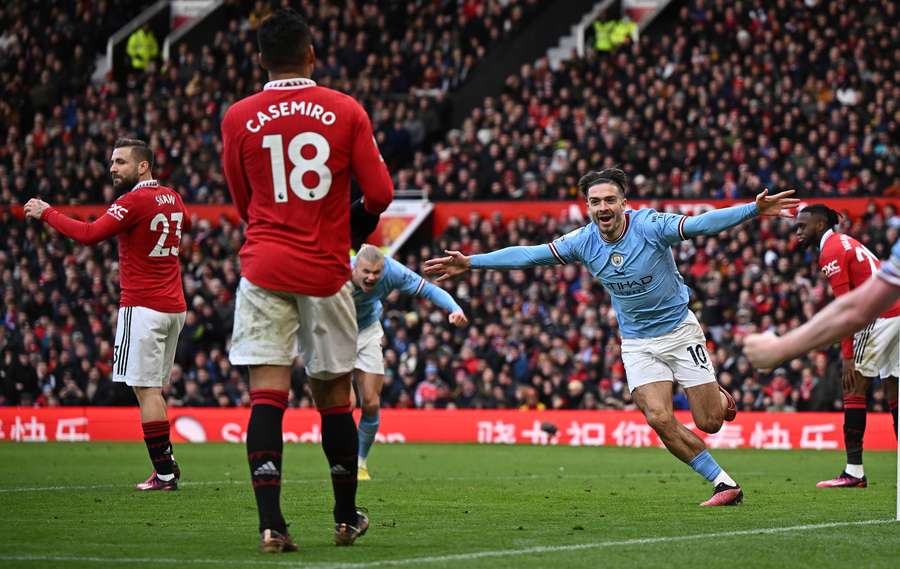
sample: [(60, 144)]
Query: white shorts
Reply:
[(876, 348), (273, 328), (678, 356), (144, 351), (368, 349)]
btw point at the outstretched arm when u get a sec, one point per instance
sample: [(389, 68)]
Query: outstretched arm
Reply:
[(678, 228), (88, 233), (717, 220), (415, 284), (847, 314), (520, 257)]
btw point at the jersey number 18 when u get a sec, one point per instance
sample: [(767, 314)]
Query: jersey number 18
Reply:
[(301, 165)]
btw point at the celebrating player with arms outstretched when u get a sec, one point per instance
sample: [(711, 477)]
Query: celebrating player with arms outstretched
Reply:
[(148, 219), (288, 153), (630, 253), (873, 351), (374, 277)]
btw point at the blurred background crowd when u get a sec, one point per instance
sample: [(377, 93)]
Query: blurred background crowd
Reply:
[(539, 339), (718, 102)]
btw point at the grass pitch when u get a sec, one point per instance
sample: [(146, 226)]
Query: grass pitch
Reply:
[(72, 506)]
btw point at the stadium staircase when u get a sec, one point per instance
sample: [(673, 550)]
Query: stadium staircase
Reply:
[(530, 44)]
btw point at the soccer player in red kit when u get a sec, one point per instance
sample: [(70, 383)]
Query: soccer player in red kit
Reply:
[(288, 153), (873, 351), (148, 219)]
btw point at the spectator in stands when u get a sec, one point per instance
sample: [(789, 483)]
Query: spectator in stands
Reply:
[(142, 48)]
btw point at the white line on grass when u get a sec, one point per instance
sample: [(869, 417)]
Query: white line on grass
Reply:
[(446, 558), (391, 480)]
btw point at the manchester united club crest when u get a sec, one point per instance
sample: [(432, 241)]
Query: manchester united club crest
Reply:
[(617, 260)]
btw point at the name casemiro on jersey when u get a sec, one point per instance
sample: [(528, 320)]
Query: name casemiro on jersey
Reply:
[(291, 108)]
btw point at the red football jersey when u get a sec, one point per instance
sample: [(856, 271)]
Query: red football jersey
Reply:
[(148, 220), (847, 264), (288, 152)]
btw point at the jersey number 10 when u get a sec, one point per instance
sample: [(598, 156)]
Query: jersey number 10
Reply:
[(301, 165)]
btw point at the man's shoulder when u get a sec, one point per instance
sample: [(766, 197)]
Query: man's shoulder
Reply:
[(837, 245), (579, 234)]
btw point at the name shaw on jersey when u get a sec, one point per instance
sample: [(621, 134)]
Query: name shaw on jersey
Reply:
[(290, 108)]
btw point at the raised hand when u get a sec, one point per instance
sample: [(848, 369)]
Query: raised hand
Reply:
[(455, 263), (777, 205), (458, 318), (35, 208)]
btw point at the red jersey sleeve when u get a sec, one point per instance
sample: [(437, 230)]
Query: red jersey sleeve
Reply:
[(369, 168), (117, 219), (233, 167)]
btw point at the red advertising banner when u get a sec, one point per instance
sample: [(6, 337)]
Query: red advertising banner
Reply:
[(570, 428), (390, 228), (443, 211)]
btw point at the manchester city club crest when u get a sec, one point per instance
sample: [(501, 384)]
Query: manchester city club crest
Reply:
[(617, 260)]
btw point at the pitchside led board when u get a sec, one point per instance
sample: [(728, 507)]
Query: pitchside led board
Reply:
[(784, 431)]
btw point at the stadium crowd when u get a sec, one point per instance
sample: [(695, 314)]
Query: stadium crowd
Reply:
[(400, 59), (729, 98), (541, 339)]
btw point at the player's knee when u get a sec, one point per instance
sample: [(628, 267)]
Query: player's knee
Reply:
[(370, 409), (709, 425), (659, 419)]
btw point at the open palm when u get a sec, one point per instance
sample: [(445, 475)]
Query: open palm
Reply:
[(778, 204)]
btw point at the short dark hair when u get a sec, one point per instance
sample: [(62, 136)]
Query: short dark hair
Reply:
[(613, 176), (283, 39), (139, 149), (830, 216)]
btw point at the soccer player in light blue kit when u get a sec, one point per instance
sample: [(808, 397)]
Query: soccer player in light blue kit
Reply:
[(630, 253), (374, 277)]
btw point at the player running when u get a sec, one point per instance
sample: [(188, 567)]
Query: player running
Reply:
[(374, 277), (148, 219), (873, 351), (630, 253), (288, 152)]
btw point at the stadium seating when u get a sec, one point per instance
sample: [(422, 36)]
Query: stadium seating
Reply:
[(57, 127), (548, 341), (827, 73), (716, 103)]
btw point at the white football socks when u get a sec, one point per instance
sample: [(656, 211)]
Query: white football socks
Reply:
[(855, 470), (723, 477)]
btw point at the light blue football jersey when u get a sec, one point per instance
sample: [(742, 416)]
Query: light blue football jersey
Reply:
[(396, 277), (639, 271), (890, 268)]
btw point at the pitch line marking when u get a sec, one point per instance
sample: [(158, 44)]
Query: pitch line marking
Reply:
[(451, 557), (393, 480)]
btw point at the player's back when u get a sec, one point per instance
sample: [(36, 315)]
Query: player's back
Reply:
[(293, 146), (847, 264), (149, 269)]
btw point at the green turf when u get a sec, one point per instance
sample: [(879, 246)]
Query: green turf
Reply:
[(430, 501)]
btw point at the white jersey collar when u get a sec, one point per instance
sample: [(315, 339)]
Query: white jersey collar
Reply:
[(293, 83), (825, 237), (146, 184)]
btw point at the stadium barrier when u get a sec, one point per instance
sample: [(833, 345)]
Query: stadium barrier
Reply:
[(816, 431)]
